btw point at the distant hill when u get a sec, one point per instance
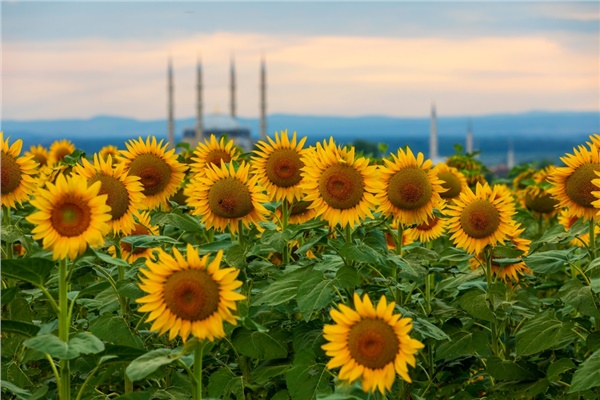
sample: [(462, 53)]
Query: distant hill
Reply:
[(534, 134)]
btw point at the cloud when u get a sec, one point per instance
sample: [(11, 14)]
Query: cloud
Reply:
[(327, 74)]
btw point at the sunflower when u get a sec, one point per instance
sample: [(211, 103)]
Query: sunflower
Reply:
[(536, 197), (159, 171), (411, 188), (59, 149), (370, 343), (189, 296), (40, 154), (143, 226), (452, 180), (109, 150), (17, 173), (595, 141), (212, 152), (567, 219), (71, 216), (573, 185), (507, 271), (391, 237), (278, 165), (226, 196), (124, 192), (300, 212), (427, 231), (340, 186), (480, 218)]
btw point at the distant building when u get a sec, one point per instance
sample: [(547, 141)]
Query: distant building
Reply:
[(221, 125)]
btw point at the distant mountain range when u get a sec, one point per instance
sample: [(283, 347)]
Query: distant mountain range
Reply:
[(533, 135)]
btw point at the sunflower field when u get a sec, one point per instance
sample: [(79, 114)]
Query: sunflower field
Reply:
[(296, 272)]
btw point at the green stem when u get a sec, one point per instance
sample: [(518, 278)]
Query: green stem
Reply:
[(348, 233), (6, 220), (63, 328), (198, 354), (428, 288), (285, 211), (592, 247), (489, 279), (399, 238)]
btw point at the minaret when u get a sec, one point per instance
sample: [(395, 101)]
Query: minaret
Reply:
[(433, 138), (232, 87), (171, 106), (510, 156), (263, 100), (469, 144), (199, 113)]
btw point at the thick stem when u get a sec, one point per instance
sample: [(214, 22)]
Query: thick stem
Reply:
[(285, 211), (348, 233), (6, 220), (399, 238), (198, 354), (592, 246), (489, 279), (63, 328)]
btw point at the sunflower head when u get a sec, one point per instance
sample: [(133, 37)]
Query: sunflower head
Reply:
[(59, 149), (567, 219), (411, 188), (17, 173), (340, 186), (189, 295), (427, 231), (71, 215), (109, 150), (278, 164), (573, 186), (142, 226), (124, 192), (39, 154), (158, 169), (452, 180), (371, 343), (212, 153), (480, 218), (227, 196)]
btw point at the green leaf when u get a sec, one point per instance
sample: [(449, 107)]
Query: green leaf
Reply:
[(146, 364), (346, 277), (461, 344), (360, 252), (266, 371), (573, 292), (111, 260), (235, 256), (508, 370), (587, 375), (593, 341), (283, 289), (259, 345), (541, 333), (12, 234), (452, 254), (273, 241), (80, 343), (32, 270), (214, 247), (73, 158), (422, 255), (135, 396), (314, 294), (476, 304), (8, 294), (558, 367), (426, 328), (147, 241), (184, 222), (223, 382), (547, 262), (306, 378), (114, 329), (21, 328), (14, 389)]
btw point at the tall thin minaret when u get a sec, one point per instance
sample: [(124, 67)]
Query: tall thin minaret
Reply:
[(263, 100), (510, 155), (433, 138), (469, 144), (232, 87), (171, 106), (199, 112)]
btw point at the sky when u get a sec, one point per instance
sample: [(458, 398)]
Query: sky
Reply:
[(79, 60)]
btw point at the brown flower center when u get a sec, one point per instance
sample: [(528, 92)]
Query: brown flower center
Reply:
[(579, 186), (216, 156), (429, 225), (283, 167), (480, 219), (409, 188), (71, 217), (191, 294), (544, 204), (61, 152), (230, 198), (118, 196), (154, 173), (373, 343), (341, 186), (11, 173), (300, 207), (452, 183), (40, 158)]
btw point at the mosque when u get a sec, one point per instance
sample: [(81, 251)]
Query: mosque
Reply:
[(218, 124)]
